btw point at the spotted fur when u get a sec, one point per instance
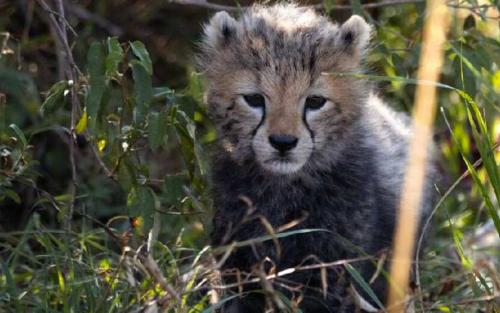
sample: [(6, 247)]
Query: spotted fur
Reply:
[(345, 172)]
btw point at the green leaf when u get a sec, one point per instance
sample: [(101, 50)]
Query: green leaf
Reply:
[(141, 203), (173, 191), (12, 195), (140, 51), (457, 238), (143, 90), (82, 123), (157, 128), (484, 143), (126, 175), (55, 97), (19, 134), (96, 61), (96, 68), (189, 127), (487, 157), (495, 81), (163, 92), (195, 87), (363, 284), (470, 66), (114, 57)]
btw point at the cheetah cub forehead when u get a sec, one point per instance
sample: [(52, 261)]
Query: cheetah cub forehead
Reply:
[(272, 89)]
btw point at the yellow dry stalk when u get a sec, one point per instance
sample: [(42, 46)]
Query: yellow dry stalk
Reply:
[(431, 61)]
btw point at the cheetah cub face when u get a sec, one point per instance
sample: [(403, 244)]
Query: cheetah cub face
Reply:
[(273, 93)]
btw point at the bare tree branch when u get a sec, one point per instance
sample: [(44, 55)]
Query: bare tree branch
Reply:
[(58, 23)]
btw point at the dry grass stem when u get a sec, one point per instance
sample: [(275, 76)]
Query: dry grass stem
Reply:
[(431, 60)]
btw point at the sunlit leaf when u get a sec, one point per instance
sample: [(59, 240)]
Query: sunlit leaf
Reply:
[(114, 57), (81, 126), (488, 158), (495, 81), (101, 144)]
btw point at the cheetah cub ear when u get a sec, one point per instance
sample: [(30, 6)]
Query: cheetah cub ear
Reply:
[(354, 35), (220, 30)]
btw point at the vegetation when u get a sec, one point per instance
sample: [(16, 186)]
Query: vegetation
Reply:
[(104, 142)]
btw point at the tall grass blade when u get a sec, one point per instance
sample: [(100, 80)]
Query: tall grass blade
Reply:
[(363, 284)]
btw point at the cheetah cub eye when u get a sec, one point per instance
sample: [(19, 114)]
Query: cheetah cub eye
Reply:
[(255, 100), (314, 102)]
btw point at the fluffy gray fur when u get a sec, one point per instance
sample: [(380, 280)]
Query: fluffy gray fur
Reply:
[(345, 174)]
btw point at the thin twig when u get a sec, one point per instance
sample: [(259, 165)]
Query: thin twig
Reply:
[(320, 6), (84, 14), (71, 71), (253, 278), (374, 5), (62, 19), (479, 299), (154, 270), (222, 7), (106, 170)]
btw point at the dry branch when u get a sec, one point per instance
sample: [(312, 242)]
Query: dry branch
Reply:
[(154, 270)]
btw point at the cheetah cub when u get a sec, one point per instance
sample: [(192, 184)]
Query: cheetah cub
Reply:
[(300, 147)]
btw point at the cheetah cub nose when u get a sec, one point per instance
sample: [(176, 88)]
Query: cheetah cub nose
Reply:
[(283, 143)]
